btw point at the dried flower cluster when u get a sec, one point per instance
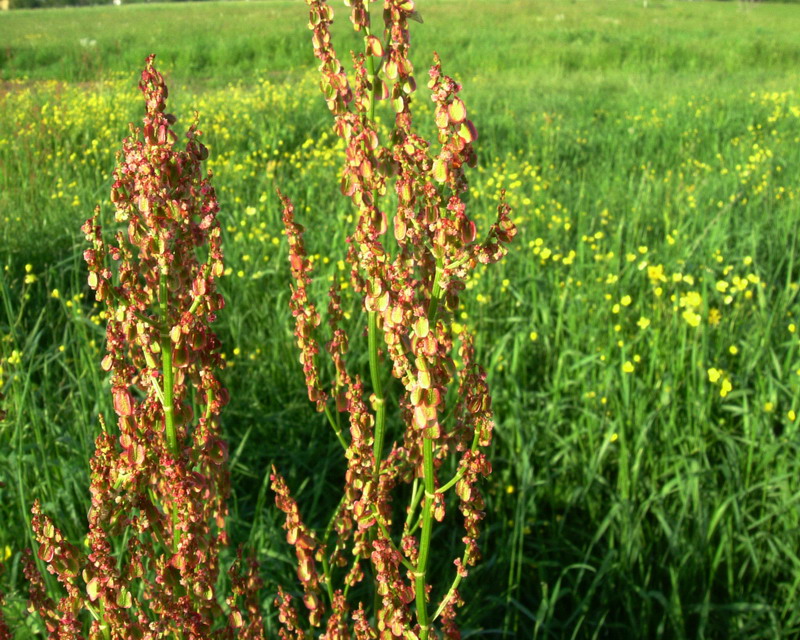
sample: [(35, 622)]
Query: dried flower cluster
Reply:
[(159, 480), (410, 281)]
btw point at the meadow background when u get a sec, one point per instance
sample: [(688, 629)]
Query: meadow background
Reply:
[(641, 336)]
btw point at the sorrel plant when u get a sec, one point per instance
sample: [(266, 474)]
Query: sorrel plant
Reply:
[(159, 479), (410, 272)]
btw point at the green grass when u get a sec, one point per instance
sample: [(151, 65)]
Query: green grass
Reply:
[(660, 145)]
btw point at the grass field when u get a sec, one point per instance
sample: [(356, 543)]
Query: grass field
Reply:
[(641, 336)]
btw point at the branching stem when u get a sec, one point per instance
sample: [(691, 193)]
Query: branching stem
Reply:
[(336, 428), (377, 389), (425, 541), (167, 392), (166, 361)]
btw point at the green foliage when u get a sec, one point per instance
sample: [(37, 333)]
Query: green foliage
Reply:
[(656, 142)]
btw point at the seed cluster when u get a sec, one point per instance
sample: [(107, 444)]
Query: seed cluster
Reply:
[(410, 281), (159, 480)]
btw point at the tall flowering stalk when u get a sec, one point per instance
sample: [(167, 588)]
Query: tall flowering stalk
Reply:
[(410, 271), (159, 480)]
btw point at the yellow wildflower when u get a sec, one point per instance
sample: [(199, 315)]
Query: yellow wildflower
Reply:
[(692, 319), (691, 299), (656, 273)]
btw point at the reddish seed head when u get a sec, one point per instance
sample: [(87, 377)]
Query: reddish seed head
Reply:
[(411, 295), (160, 483)]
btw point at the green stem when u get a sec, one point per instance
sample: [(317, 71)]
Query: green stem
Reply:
[(326, 565), (425, 541), (416, 496), (388, 536), (100, 616), (449, 485), (427, 506), (377, 388), (167, 392), (373, 331), (380, 414), (451, 590), (457, 263), (356, 560), (326, 569), (436, 294), (336, 428), (329, 528), (196, 302), (457, 579), (373, 74), (209, 398), (166, 363), (460, 473)]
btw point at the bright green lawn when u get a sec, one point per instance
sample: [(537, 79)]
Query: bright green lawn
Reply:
[(640, 338)]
